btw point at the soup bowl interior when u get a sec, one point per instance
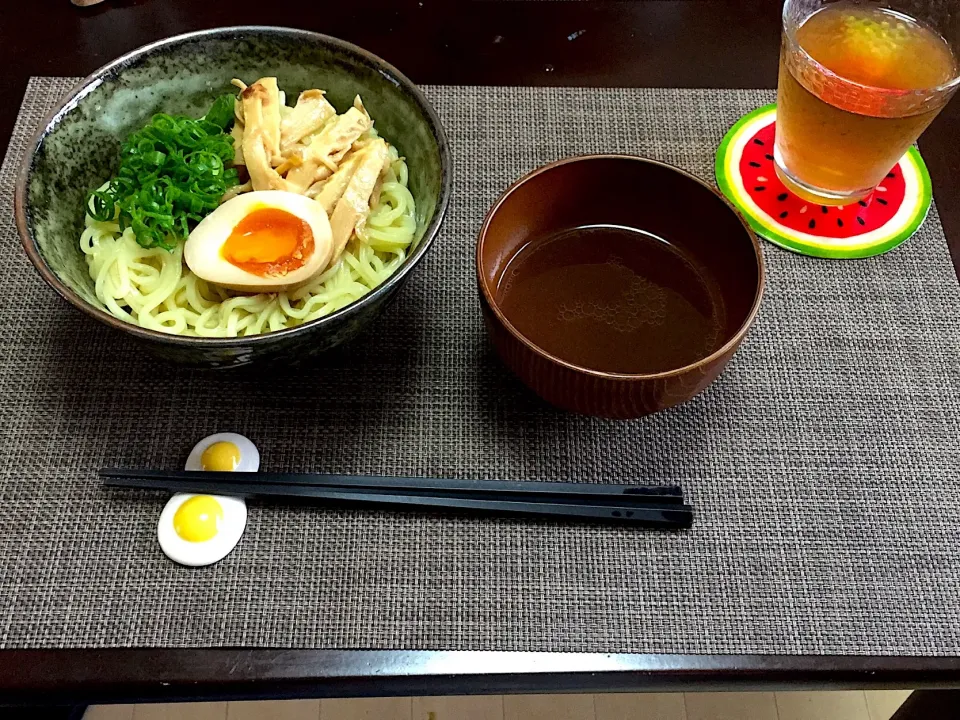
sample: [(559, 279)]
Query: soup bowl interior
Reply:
[(640, 195), (78, 149)]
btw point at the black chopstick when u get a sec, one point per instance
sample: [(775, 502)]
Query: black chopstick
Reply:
[(479, 489), (644, 514)]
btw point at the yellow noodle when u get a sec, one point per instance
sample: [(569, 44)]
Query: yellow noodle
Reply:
[(153, 288)]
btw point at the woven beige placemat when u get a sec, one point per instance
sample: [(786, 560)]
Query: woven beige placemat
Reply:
[(823, 464)]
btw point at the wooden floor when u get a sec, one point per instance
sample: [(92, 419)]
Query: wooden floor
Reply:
[(680, 706)]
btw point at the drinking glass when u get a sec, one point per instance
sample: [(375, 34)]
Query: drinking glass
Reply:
[(858, 84)]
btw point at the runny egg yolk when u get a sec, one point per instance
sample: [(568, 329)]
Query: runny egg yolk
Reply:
[(198, 519), (220, 457), (269, 242)]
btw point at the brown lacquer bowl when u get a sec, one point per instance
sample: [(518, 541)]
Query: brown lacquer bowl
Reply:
[(630, 334)]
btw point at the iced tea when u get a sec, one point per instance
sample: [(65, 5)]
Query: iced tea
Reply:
[(858, 84)]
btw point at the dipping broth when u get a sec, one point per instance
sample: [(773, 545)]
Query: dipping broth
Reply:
[(612, 299)]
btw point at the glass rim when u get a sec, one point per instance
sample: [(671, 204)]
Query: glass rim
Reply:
[(940, 89)]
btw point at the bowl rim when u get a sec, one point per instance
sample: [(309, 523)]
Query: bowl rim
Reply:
[(97, 77), (488, 297)]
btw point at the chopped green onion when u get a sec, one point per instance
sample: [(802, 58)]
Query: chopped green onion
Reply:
[(221, 114), (172, 174)]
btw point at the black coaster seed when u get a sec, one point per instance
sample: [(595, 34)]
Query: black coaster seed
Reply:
[(812, 224), (839, 222), (754, 164), (782, 196), (760, 188), (784, 214), (861, 220), (882, 201)]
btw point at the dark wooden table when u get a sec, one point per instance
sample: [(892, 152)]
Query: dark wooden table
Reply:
[(640, 43)]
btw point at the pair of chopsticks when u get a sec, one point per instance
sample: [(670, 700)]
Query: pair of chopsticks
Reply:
[(640, 505)]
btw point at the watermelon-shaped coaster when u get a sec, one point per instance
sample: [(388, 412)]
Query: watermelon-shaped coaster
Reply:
[(886, 218)]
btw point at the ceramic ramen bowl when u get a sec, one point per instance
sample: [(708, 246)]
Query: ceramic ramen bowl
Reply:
[(77, 149), (616, 286)]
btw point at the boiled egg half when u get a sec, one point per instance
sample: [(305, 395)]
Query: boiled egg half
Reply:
[(198, 530), (262, 241)]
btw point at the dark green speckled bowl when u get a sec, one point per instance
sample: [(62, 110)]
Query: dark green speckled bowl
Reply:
[(77, 149)]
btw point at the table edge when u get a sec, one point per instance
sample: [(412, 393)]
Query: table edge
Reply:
[(170, 675)]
